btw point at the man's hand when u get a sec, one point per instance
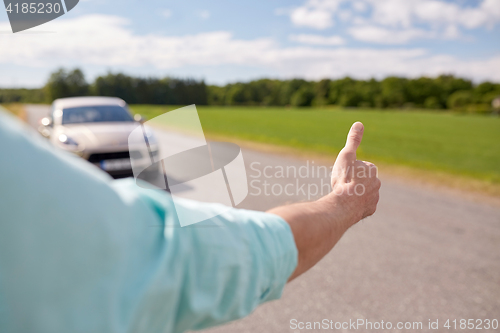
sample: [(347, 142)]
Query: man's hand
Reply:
[(354, 183), (317, 226)]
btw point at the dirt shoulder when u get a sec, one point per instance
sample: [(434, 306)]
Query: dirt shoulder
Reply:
[(470, 188)]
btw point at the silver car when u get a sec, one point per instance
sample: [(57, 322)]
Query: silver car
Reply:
[(98, 129)]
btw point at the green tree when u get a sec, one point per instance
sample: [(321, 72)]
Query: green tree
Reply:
[(62, 84), (350, 97), (490, 96), (460, 99), (448, 84), (393, 92), (432, 102), (216, 95), (116, 85), (338, 87), (302, 97), (321, 92), (425, 92), (288, 89), (237, 94), (368, 91), (445, 91), (486, 92)]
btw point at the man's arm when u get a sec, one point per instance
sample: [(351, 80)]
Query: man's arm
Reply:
[(82, 252), (79, 250), (318, 226)]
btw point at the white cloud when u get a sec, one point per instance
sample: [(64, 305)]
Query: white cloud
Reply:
[(317, 39), (316, 14), (375, 34), (311, 18), (166, 13), (204, 14), (442, 18), (451, 32), (345, 15), (486, 14), (359, 6), (107, 41)]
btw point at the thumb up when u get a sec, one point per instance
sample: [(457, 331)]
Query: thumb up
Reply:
[(355, 182)]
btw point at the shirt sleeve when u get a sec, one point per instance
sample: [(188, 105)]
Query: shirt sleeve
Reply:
[(80, 252), (227, 266)]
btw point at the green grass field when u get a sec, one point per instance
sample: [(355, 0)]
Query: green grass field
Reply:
[(467, 145)]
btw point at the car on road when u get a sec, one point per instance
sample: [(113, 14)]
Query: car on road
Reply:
[(98, 129)]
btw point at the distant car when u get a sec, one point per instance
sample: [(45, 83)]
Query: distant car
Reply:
[(97, 129)]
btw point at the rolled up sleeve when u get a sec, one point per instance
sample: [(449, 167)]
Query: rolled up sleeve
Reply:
[(226, 267), (231, 269)]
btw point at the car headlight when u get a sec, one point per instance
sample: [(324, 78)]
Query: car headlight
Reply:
[(63, 138)]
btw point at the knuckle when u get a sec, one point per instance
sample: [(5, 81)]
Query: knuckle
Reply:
[(355, 137), (370, 168)]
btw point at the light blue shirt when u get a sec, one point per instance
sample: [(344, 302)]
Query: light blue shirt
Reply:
[(81, 252)]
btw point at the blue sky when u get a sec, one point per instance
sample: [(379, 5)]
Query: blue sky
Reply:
[(226, 41)]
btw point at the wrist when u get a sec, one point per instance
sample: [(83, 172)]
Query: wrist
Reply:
[(340, 212)]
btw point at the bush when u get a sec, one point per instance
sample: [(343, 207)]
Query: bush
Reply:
[(22, 96), (432, 102), (350, 98), (460, 99), (489, 97), (236, 95), (302, 97), (479, 108)]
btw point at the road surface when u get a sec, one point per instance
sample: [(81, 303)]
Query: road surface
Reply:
[(35, 113), (425, 255)]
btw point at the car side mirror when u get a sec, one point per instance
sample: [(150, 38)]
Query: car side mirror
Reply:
[(139, 118)]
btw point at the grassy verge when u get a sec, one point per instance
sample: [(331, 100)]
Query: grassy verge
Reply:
[(461, 151), (16, 109)]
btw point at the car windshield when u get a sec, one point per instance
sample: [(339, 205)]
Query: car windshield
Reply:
[(95, 114)]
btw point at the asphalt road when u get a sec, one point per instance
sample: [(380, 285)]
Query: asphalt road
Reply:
[(35, 113), (425, 255)]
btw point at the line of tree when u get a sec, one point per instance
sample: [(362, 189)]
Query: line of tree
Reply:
[(63, 83), (22, 95), (443, 92), (133, 90)]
